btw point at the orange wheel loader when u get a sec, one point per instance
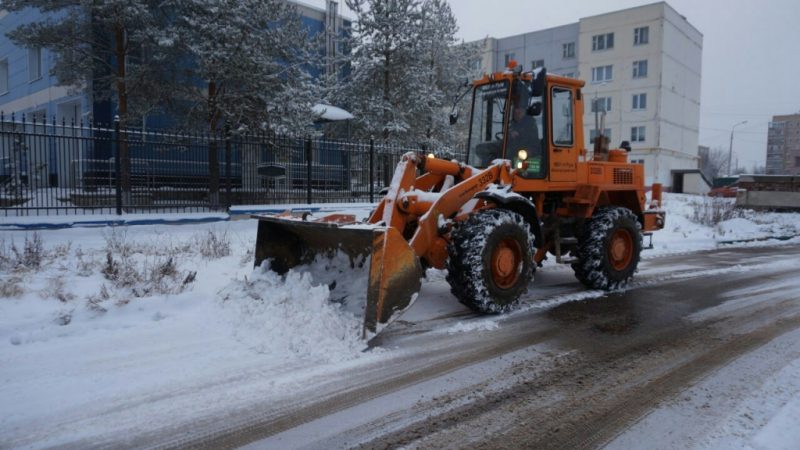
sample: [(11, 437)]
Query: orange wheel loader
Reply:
[(528, 187)]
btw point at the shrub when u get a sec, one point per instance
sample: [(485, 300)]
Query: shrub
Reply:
[(151, 276), (56, 288), (713, 210), (10, 287), (95, 302), (214, 245), (32, 253)]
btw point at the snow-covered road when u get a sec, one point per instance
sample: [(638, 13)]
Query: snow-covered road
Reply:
[(580, 373)]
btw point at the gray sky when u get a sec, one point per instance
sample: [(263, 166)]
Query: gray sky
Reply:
[(743, 41)]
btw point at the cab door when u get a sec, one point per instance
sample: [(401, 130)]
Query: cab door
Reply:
[(563, 142)]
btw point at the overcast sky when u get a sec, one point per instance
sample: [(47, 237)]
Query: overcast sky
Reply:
[(751, 55)]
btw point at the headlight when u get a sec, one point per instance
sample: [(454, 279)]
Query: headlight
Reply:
[(519, 164), (431, 155), (522, 155)]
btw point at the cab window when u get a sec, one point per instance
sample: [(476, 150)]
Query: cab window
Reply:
[(562, 131)]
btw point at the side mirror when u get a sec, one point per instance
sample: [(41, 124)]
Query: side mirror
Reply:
[(454, 116), (537, 84), (535, 109)]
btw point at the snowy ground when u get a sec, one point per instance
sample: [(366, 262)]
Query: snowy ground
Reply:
[(96, 324)]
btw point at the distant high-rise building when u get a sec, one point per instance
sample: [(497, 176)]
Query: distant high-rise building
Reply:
[(783, 145), (642, 68)]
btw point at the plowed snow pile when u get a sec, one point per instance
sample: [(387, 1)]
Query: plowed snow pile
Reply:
[(312, 311)]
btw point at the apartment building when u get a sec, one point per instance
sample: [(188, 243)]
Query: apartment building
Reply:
[(642, 68), (783, 145)]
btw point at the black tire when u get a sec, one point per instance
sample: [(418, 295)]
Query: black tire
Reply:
[(498, 237), (608, 249)]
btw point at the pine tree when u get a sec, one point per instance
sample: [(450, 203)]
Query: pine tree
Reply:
[(385, 86), (450, 65), (252, 58), (406, 68)]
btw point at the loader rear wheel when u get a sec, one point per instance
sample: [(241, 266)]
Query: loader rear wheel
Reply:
[(489, 265), (608, 250)]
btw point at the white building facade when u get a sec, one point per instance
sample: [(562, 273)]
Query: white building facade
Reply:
[(642, 68)]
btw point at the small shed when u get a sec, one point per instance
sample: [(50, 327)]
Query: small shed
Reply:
[(690, 181)]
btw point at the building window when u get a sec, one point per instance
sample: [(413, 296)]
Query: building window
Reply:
[(640, 69), (34, 63), (797, 161), (568, 50), (637, 134), (569, 74), (3, 76), (509, 57), (593, 134), (602, 73), (601, 104), (638, 161), (536, 63), (639, 101), (641, 35), (602, 42)]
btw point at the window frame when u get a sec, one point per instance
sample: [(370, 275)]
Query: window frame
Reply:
[(608, 73), (606, 104), (570, 122), (4, 68), (601, 42), (637, 69), (638, 32), (534, 64), (39, 63), (639, 102), (568, 50), (638, 133)]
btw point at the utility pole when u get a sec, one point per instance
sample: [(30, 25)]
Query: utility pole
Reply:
[(730, 147)]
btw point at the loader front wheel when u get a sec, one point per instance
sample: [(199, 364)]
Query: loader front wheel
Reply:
[(608, 250), (490, 265)]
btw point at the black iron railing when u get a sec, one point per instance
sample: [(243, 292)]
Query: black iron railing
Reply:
[(58, 168)]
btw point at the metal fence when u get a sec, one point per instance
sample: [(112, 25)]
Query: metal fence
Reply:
[(50, 168)]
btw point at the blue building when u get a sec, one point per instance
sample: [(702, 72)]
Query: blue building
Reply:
[(26, 86)]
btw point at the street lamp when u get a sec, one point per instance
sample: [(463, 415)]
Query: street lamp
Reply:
[(730, 148)]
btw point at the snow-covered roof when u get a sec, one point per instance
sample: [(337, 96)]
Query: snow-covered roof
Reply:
[(330, 113)]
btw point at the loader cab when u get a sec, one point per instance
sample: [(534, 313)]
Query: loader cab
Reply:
[(543, 143), (507, 122)]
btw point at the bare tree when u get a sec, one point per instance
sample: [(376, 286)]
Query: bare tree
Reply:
[(713, 162)]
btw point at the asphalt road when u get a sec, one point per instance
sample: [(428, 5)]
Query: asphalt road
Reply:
[(564, 372)]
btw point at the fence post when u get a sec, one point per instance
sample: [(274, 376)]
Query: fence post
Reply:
[(308, 170), (117, 166), (371, 170), (228, 166)]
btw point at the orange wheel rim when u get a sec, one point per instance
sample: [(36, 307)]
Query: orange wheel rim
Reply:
[(506, 263), (620, 251)]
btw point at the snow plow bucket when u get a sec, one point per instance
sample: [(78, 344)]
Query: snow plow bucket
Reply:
[(394, 269)]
